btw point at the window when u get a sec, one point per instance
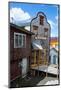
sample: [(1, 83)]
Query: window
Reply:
[(54, 59), (41, 20), (19, 40), (46, 31), (16, 40), (35, 27)]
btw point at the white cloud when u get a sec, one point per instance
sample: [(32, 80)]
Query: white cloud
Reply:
[(54, 27), (18, 15), (52, 24), (27, 28), (56, 17)]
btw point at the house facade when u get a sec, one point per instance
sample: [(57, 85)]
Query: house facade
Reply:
[(20, 51), (40, 40), (54, 56)]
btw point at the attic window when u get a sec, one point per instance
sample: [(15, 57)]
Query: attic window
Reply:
[(35, 27), (41, 20)]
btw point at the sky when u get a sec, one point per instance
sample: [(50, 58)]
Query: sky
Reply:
[(24, 12)]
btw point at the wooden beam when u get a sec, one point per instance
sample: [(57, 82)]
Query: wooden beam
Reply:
[(45, 56), (45, 60), (34, 56), (38, 60), (39, 57)]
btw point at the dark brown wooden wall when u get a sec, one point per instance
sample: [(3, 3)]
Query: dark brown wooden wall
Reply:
[(16, 54), (15, 71)]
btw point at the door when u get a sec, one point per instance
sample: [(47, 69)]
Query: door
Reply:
[(54, 59), (24, 67)]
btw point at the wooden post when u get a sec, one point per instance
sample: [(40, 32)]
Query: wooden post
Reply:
[(38, 61), (34, 61), (34, 73), (46, 62), (46, 74), (39, 58), (34, 56), (44, 56)]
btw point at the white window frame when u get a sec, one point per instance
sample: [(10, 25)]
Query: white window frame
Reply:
[(18, 40)]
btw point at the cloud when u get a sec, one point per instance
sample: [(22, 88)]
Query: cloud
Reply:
[(54, 27), (18, 15), (27, 28), (52, 24), (56, 17)]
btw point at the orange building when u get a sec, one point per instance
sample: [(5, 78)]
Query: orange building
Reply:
[(54, 42)]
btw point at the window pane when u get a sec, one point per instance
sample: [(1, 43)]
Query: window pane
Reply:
[(23, 40), (16, 40), (41, 20), (35, 27), (20, 40), (46, 31)]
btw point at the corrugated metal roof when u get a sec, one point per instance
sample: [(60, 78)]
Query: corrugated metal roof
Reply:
[(36, 46)]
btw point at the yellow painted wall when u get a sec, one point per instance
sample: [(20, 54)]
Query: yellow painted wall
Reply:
[(53, 43)]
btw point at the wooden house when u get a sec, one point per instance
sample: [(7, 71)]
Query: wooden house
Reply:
[(40, 40), (20, 51), (54, 56)]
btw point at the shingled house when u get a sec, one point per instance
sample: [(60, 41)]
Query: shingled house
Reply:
[(20, 51)]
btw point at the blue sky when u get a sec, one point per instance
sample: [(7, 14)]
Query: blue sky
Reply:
[(24, 12)]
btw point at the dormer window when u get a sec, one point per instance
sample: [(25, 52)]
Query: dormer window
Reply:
[(41, 19)]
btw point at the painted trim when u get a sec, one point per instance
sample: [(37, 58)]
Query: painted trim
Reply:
[(18, 39)]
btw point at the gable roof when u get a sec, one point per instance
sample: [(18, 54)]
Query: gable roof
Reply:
[(21, 29)]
